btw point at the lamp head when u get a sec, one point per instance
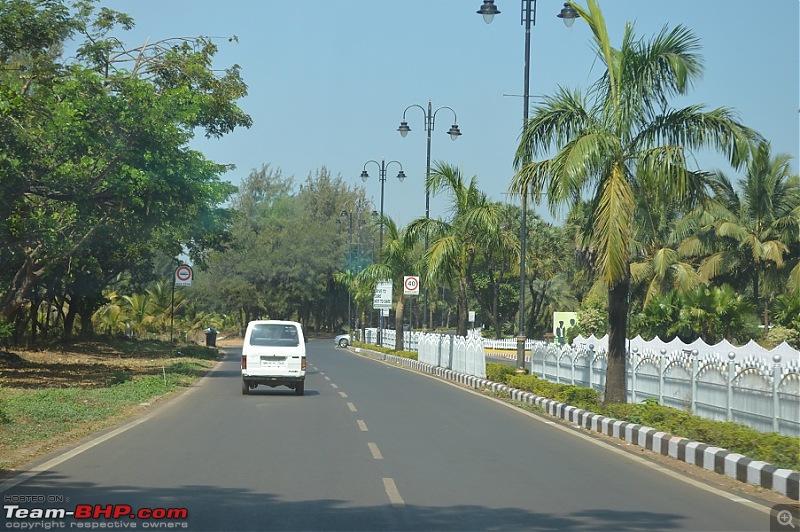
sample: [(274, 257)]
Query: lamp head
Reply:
[(364, 176), (403, 129), (454, 132), (568, 15), (488, 10)]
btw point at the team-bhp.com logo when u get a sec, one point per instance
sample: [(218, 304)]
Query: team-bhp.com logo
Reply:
[(91, 513)]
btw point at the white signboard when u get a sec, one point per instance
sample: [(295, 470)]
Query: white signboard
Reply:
[(411, 285), (383, 295), (472, 316), (183, 275)]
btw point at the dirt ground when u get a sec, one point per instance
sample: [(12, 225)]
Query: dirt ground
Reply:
[(85, 365)]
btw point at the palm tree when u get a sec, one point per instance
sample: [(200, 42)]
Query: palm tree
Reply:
[(604, 138), (455, 243), (657, 267), (397, 258), (746, 232)]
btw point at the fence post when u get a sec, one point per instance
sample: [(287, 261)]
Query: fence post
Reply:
[(591, 366), (776, 400), (634, 360), (695, 364), (661, 369), (574, 358), (558, 365), (450, 356), (731, 376)]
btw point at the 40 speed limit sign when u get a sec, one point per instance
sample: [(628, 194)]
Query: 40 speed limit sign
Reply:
[(411, 285)]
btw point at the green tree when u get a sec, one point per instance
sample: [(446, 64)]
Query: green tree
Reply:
[(550, 275), (657, 266), (491, 280), (715, 313), (399, 257), (746, 233), (604, 139), (456, 243), (95, 148)]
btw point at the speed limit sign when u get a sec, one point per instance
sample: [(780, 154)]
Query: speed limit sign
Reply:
[(183, 275), (411, 285)]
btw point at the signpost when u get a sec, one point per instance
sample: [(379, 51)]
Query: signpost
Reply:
[(182, 277), (382, 301), (383, 295)]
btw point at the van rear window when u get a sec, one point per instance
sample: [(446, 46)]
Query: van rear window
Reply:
[(274, 335)]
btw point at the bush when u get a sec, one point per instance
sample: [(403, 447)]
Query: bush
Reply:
[(780, 451), (387, 350), (779, 334), (499, 372)]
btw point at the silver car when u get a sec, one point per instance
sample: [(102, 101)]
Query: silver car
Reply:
[(342, 340)]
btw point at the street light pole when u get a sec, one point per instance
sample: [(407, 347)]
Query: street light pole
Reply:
[(350, 267), (430, 122), (568, 14), (382, 166)]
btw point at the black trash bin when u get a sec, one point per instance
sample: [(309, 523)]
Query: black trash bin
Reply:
[(211, 337)]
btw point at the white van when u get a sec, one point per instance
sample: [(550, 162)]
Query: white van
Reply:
[(274, 354)]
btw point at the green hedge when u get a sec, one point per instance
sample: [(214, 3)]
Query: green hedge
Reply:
[(387, 350), (780, 451)]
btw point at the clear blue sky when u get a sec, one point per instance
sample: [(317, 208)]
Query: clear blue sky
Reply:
[(329, 79)]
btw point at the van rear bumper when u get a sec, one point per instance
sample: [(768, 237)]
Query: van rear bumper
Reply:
[(273, 380)]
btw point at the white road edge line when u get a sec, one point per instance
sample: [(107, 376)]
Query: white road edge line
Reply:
[(61, 458), (541, 418)]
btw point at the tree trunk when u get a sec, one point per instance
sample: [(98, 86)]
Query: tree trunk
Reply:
[(617, 331), (69, 322), (398, 322), (21, 285), (463, 301)]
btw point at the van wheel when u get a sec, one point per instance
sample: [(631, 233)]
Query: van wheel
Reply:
[(245, 388), (343, 342), (300, 389)]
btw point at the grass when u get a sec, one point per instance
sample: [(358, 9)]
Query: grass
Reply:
[(53, 397)]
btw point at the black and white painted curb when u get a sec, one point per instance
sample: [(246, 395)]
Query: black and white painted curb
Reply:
[(722, 461)]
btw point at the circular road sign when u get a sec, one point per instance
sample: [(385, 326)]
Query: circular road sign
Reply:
[(183, 274), (411, 285)]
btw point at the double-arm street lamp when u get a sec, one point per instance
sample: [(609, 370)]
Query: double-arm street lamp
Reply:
[(354, 209), (528, 18), (430, 122), (382, 166)]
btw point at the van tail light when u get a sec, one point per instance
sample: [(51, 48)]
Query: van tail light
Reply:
[(303, 363), (244, 362)]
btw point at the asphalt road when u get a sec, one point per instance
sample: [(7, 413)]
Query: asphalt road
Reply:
[(368, 447)]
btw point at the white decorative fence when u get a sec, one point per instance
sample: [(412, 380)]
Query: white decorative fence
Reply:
[(465, 355), (733, 387), (410, 338), (754, 387)]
